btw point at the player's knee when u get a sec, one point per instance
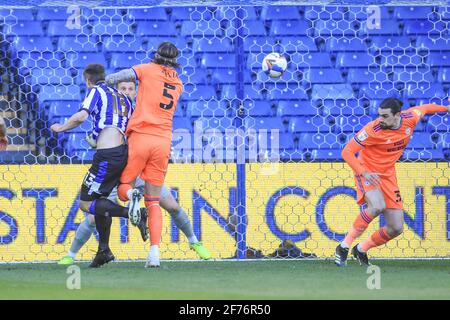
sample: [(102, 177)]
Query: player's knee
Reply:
[(378, 208), (395, 231)]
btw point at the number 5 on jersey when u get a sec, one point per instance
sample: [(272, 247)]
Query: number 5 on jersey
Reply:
[(166, 93)]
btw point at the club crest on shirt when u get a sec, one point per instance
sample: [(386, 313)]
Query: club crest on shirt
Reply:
[(363, 135), (418, 112), (408, 130)]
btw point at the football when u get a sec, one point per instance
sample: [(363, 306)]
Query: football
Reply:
[(274, 65)]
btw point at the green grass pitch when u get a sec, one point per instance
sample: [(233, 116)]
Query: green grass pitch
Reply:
[(296, 279)]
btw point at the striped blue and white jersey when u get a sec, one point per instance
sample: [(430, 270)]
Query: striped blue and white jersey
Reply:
[(108, 108)]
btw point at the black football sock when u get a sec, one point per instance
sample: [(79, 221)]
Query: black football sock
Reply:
[(103, 225), (107, 208)]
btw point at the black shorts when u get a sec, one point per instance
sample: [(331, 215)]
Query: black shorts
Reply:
[(105, 172)]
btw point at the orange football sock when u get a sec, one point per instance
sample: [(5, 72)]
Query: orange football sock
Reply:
[(359, 226), (377, 238), (154, 219)]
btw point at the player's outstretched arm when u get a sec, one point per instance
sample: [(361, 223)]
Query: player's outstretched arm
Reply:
[(3, 138), (127, 75), (431, 108), (73, 122)]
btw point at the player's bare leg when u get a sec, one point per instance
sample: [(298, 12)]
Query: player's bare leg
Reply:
[(152, 197)]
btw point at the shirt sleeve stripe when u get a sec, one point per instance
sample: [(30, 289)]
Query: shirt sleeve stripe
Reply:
[(358, 142), (89, 102)]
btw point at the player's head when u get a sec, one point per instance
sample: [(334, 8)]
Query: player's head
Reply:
[(128, 88), (93, 73), (389, 113), (166, 55)]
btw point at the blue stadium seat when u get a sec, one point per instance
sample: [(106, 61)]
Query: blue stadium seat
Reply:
[(391, 43), (60, 109), (191, 13), (443, 75), (229, 92), (364, 12), (75, 142), (360, 75), (85, 156), (345, 44), (280, 13), (81, 60), (254, 60), (268, 141), (423, 155), (123, 61), (414, 75), (322, 13), (319, 141), (354, 59), (85, 127), (218, 60), (297, 44), (77, 44), (309, 124), (377, 90), (289, 28), (326, 154), (220, 76), (438, 122), (153, 43), (41, 59), (443, 13), (439, 59), (200, 29), (351, 124), (417, 12), (425, 90), (220, 123), (59, 92), (206, 109), (421, 140), (25, 28), (408, 59), (58, 28), (425, 27), (198, 92), (51, 76), (113, 28), (95, 15), (182, 123), (295, 108), (313, 60), (258, 108), (195, 76), (156, 29), (250, 28), (386, 27), (427, 43), (445, 140), (260, 44), (332, 91), (224, 12), (292, 92), (336, 28), (323, 76), (13, 15), (32, 44), (56, 13), (152, 14), (258, 123), (343, 107), (123, 44), (212, 45)]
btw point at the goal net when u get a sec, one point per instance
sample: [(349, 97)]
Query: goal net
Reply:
[(256, 161)]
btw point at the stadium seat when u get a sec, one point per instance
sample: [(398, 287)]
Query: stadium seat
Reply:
[(323, 76), (41, 59), (443, 75), (113, 28), (248, 13), (423, 155), (443, 13), (377, 90), (156, 29), (56, 13), (24, 43), (218, 60), (198, 92), (191, 13), (280, 13), (76, 142), (290, 93), (421, 140), (309, 124), (386, 27), (212, 45), (290, 28), (322, 13), (360, 75), (260, 44), (123, 61), (60, 109), (123, 44), (417, 12), (249, 28), (423, 27), (445, 140), (51, 76), (407, 59), (25, 28), (413, 75), (310, 140), (354, 60), (345, 44), (326, 28), (351, 124), (313, 60), (58, 28), (425, 90), (297, 44), (152, 14), (432, 44), (258, 108), (194, 76), (85, 156), (268, 141), (439, 59), (200, 29), (220, 76), (206, 123), (14, 15), (438, 122), (332, 91), (229, 92), (81, 60), (391, 43), (296, 108), (326, 154), (182, 123), (59, 92), (343, 107), (77, 44), (104, 15), (258, 123), (206, 109), (364, 12)]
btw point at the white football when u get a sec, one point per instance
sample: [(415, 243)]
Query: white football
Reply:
[(274, 64)]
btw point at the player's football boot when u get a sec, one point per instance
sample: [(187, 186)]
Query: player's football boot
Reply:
[(341, 255), (153, 258), (134, 212), (202, 252), (102, 257), (360, 256), (143, 225), (66, 261)]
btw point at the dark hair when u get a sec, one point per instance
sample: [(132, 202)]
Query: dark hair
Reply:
[(94, 72), (392, 103), (166, 55)]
